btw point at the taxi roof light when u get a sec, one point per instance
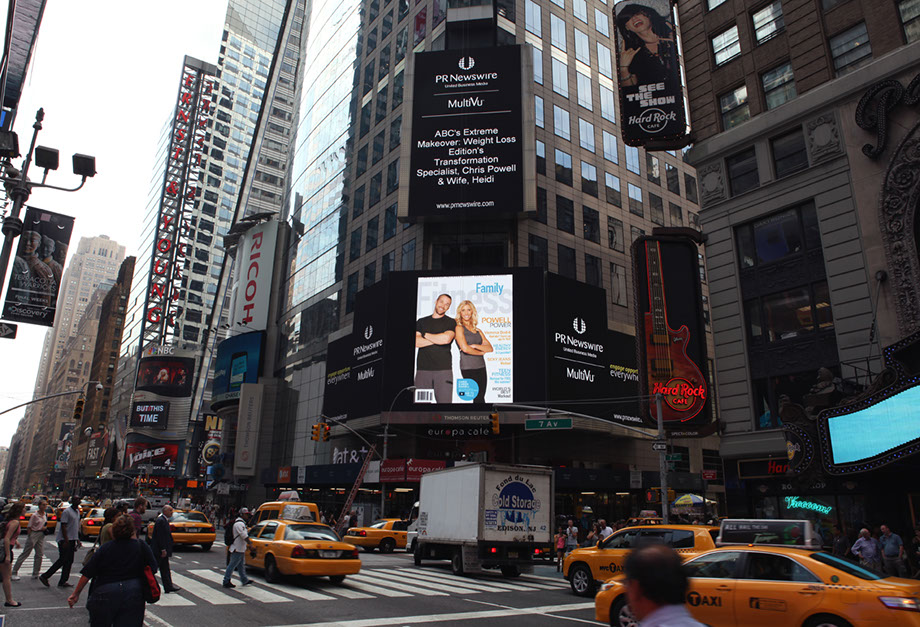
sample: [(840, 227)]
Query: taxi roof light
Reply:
[(911, 604), (765, 532)]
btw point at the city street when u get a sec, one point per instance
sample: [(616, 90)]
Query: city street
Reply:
[(390, 590)]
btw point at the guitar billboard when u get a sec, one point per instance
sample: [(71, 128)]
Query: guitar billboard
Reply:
[(669, 321)]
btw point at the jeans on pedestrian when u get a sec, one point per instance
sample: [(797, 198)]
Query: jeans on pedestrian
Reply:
[(118, 604), (64, 561), (894, 566), (35, 541), (238, 564)]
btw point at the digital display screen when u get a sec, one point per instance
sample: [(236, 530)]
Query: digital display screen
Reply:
[(875, 430), (464, 340), (154, 415), (166, 376)]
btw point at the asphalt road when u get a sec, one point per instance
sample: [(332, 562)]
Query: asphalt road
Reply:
[(389, 590)]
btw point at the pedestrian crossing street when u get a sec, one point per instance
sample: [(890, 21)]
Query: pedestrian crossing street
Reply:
[(204, 585)]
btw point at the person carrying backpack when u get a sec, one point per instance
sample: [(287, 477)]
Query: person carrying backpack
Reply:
[(236, 537)]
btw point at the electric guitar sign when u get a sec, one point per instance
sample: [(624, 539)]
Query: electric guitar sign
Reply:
[(669, 321)]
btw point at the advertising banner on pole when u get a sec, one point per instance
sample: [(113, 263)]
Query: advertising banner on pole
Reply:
[(247, 429), (37, 267)]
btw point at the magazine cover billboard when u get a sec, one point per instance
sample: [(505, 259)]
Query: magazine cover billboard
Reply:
[(464, 339), (652, 112), (35, 279), (238, 361)]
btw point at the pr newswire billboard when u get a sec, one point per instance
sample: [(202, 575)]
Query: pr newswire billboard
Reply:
[(652, 110), (471, 134)]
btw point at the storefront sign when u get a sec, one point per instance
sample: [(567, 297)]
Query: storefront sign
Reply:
[(284, 474), (255, 260), (762, 468), (415, 468), (392, 470), (796, 502), (459, 431)]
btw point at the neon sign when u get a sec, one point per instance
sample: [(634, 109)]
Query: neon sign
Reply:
[(796, 502)]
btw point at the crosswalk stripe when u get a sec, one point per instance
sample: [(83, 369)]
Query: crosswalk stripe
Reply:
[(344, 591), (308, 595), (257, 594), (173, 600), (374, 590), (465, 588), (204, 591), (420, 581), (460, 581), (398, 586), (557, 580)]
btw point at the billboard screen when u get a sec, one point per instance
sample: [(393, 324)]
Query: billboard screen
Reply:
[(463, 339), (166, 376), (162, 456), (648, 65), (338, 390), (466, 154), (37, 267), (623, 375), (150, 415), (672, 351), (255, 258), (238, 361)]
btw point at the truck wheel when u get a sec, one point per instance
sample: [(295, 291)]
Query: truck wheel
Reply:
[(417, 553), (621, 615), (511, 571), (411, 549), (581, 580), (387, 545), (456, 562)]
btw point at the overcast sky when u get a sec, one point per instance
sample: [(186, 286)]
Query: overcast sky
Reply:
[(107, 74)]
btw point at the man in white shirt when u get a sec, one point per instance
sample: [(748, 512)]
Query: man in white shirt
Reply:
[(238, 549), (605, 530), (68, 538)]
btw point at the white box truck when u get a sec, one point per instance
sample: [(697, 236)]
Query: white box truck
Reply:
[(486, 516)]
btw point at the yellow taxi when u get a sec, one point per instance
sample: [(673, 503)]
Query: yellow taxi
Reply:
[(188, 527), (287, 547), (385, 534), (586, 567), (288, 510), (791, 583), (91, 523)]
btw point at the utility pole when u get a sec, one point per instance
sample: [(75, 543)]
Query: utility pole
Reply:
[(662, 464)]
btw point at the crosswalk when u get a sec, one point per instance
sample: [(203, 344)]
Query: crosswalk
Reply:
[(203, 586)]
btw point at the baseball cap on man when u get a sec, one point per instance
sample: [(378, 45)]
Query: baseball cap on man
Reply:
[(244, 510)]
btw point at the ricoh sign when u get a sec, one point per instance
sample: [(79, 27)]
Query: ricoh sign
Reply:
[(255, 260), (466, 155)]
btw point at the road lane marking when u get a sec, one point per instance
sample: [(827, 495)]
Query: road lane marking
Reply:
[(465, 587), (173, 600), (152, 620), (508, 607), (204, 591), (257, 594), (418, 581), (398, 586), (344, 591), (308, 595), (374, 590), (511, 587), (457, 616)]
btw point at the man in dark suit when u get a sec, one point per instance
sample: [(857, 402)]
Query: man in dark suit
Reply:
[(162, 545)]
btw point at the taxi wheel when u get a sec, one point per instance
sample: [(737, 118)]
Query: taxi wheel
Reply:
[(387, 545), (827, 620), (621, 615), (272, 574), (336, 578), (581, 580), (511, 571), (206, 546), (456, 562)]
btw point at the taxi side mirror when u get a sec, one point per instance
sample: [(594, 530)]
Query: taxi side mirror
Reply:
[(600, 543)]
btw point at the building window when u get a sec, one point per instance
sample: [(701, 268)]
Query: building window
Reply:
[(355, 249), (734, 107), (370, 273), (635, 232), (393, 176), (407, 261), (610, 147), (388, 263), (580, 9), (632, 159), (373, 196), (601, 23), (378, 145), (584, 91), (673, 178), (768, 22), (789, 153), (608, 104), (618, 284), (615, 235), (358, 202), (635, 199), (711, 4), (567, 261), (539, 252), (652, 168), (779, 85), (532, 18), (789, 314), (592, 224), (589, 178), (560, 78), (542, 205), (725, 45), (656, 209), (565, 214), (742, 172), (910, 19), (612, 185), (398, 83), (690, 188), (850, 49), (395, 132), (563, 167), (593, 271), (562, 124), (604, 66), (537, 65), (779, 236), (370, 241), (389, 222), (586, 134), (350, 291), (538, 111), (557, 30), (541, 158), (582, 47), (677, 215)]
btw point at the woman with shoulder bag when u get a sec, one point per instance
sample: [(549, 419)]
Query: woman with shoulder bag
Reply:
[(117, 574), (11, 531)]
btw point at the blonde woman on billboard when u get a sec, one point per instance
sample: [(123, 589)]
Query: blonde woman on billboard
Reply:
[(473, 344)]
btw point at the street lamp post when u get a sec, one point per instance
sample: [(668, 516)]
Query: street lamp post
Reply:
[(386, 438), (19, 187), (80, 390)]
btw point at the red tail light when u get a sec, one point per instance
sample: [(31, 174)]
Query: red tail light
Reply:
[(53, 517), (211, 529), (354, 554), (493, 550), (359, 532), (90, 523), (173, 528), (299, 552), (22, 518)]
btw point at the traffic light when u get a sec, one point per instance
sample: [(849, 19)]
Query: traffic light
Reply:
[(495, 425), (78, 410), (316, 432), (324, 431), (653, 495)]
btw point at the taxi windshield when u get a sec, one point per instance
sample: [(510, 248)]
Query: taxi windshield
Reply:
[(310, 532), (380, 524), (188, 517), (96, 513), (846, 566)]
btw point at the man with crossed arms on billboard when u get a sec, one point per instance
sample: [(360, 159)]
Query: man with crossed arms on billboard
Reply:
[(433, 336)]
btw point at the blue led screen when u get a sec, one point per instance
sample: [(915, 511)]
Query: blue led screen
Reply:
[(876, 429)]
